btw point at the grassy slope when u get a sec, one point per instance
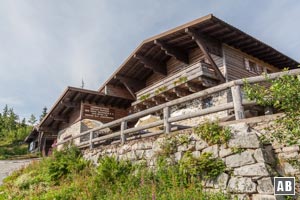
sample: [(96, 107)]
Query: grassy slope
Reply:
[(14, 150), (68, 176)]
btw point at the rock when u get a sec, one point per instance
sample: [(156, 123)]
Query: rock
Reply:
[(178, 156), (245, 140), (265, 186), (139, 154), (196, 154), (148, 154), (194, 137), (240, 197), (201, 145), (239, 127), (124, 149), (239, 159), (183, 147), (263, 197), (258, 169), (212, 149), (289, 169), (241, 185), (222, 180), (259, 155), (224, 151), (290, 149), (287, 156)]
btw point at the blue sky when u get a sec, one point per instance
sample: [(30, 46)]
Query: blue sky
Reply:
[(47, 45)]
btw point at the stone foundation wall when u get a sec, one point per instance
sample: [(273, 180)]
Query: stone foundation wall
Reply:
[(250, 165), (198, 104)]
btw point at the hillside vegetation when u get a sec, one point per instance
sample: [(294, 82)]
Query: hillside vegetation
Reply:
[(66, 175), (13, 131)]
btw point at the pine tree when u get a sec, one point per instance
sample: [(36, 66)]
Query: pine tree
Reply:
[(44, 113), (32, 120)]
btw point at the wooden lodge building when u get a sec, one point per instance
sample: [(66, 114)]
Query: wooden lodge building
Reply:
[(187, 59)]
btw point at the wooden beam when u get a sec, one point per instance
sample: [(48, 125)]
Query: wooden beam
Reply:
[(193, 87), (197, 38), (153, 65), (229, 35), (130, 90), (131, 81), (116, 91), (48, 129), (180, 92), (159, 100), (61, 119), (69, 104), (177, 53), (148, 103), (169, 96)]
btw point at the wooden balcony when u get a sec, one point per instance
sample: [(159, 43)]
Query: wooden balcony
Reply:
[(192, 79)]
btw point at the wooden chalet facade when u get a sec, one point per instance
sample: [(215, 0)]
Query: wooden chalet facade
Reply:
[(187, 59)]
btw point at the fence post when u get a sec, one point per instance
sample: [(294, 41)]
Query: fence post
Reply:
[(91, 138), (167, 125), (237, 102), (123, 128)]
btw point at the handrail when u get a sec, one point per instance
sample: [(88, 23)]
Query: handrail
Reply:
[(237, 105)]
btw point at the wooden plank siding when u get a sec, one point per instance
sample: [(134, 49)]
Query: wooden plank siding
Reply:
[(173, 65), (235, 63)]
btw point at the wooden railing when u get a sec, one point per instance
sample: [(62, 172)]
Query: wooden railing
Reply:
[(237, 104), (189, 73)]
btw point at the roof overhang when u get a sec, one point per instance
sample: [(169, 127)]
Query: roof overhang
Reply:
[(71, 99), (175, 41)]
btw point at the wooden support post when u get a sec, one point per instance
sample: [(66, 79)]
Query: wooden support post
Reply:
[(167, 125), (91, 142), (123, 128), (237, 102)]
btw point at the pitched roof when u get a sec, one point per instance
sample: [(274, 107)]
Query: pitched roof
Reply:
[(209, 26)]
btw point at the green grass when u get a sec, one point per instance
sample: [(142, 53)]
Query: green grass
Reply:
[(67, 175), (14, 150)]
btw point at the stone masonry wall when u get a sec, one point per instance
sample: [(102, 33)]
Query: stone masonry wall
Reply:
[(218, 98), (250, 165)]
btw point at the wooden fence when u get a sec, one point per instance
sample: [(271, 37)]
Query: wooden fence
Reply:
[(237, 104)]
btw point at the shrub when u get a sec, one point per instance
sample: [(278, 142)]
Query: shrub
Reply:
[(206, 166), (283, 94), (212, 133)]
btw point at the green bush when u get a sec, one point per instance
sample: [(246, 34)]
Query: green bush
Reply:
[(65, 162), (212, 133), (283, 94)]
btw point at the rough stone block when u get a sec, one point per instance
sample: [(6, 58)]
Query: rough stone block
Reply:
[(222, 180), (239, 159), (258, 169), (178, 156), (239, 127), (241, 185), (245, 140), (212, 149), (224, 151), (201, 145), (139, 154), (289, 169), (148, 154), (196, 154), (262, 155), (263, 197), (291, 149), (183, 147), (265, 186), (287, 156), (240, 197)]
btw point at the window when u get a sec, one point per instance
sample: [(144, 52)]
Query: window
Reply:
[(251, 66), (207, 102)]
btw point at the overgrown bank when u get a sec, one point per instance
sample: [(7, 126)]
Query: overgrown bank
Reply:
[(67, 175)]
